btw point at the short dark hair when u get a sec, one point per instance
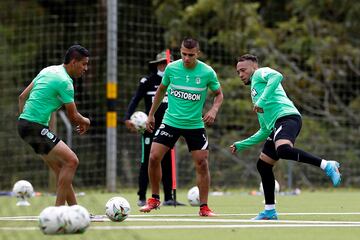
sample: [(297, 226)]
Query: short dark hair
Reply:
[(248, 57), (76, 52), (190, 43)]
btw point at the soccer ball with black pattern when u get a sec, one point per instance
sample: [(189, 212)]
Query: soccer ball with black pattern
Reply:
[(51, 221), (23, 189), (117, 209)]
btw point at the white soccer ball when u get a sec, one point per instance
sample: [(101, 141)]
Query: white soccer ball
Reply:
[(23, 189), (139, 118), (194, 196), (83, 218), (277, 187), (117, 209), (72, 220), (51, 221)]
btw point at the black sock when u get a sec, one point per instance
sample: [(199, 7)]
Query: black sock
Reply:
[(268, 180), (285, 151), (204, 204), (157, 196)]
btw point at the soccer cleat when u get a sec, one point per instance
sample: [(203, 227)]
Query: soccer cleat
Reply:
[(205, 211), (171, 203), (266, 215), (152, 203), (332, 171), (141, 202)]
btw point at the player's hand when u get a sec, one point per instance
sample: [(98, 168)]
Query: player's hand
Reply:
[(130, 126), (258, 109), (150, 123), (209, 117), (233, 149), (83, 126)]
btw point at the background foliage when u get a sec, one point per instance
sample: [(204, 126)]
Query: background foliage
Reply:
[(314, 44)]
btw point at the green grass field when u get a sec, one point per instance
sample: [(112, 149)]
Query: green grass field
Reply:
[(320, 215)]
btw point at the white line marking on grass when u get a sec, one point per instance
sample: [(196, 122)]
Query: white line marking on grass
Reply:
[(216, 220), (160, 227), (220, 226)]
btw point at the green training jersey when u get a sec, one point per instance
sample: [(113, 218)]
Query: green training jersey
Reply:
[(187, 89), (52, 88), (267, 93)]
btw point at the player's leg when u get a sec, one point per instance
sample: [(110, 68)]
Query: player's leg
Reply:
[(144, 166), (56, 155), (69, 162), (200, 158), (267, 160), (164, 139), (198, 145), (167, 178), (286, 130)]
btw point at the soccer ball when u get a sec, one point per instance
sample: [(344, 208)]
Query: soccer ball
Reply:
[(23, 189), (51, 221), (117, 209), (82, 218), (277, 187), (139, 120), (194, 196), (74, 221)]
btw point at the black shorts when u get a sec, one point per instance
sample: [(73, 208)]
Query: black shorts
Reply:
[(40, 138), (287, 127), (196, 139)]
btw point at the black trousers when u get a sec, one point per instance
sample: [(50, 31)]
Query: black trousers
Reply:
[(143, 174)]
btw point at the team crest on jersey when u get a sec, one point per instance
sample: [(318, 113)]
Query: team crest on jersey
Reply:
[(253, 92), (198, 80)]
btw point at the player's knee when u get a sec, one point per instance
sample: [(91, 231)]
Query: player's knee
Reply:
[(284, 151), (154, 161), (72, 162), (202, 165)]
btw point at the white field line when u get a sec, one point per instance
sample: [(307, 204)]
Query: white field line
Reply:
[(32, 218), (160, 227), (202, 220)]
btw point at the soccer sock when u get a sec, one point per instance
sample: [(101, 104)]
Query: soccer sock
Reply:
[(157, 196), (269, 206), (268, 181), (204, 204), (285, 151)]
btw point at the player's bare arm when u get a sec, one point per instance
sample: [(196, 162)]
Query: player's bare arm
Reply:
[(160, 93), (210, 116), (82, 123), (24, 96)]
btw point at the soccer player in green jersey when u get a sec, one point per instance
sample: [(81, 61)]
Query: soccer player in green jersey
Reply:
[(186, 81), (280, 123), (50, 89)]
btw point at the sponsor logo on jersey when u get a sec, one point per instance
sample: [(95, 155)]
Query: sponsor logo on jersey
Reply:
[(185, 95)]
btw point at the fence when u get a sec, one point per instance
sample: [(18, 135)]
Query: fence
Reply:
[(321, 77)]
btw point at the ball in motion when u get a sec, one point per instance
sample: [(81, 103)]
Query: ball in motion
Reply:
[(117, 209), (139, 118), (194, 196)]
